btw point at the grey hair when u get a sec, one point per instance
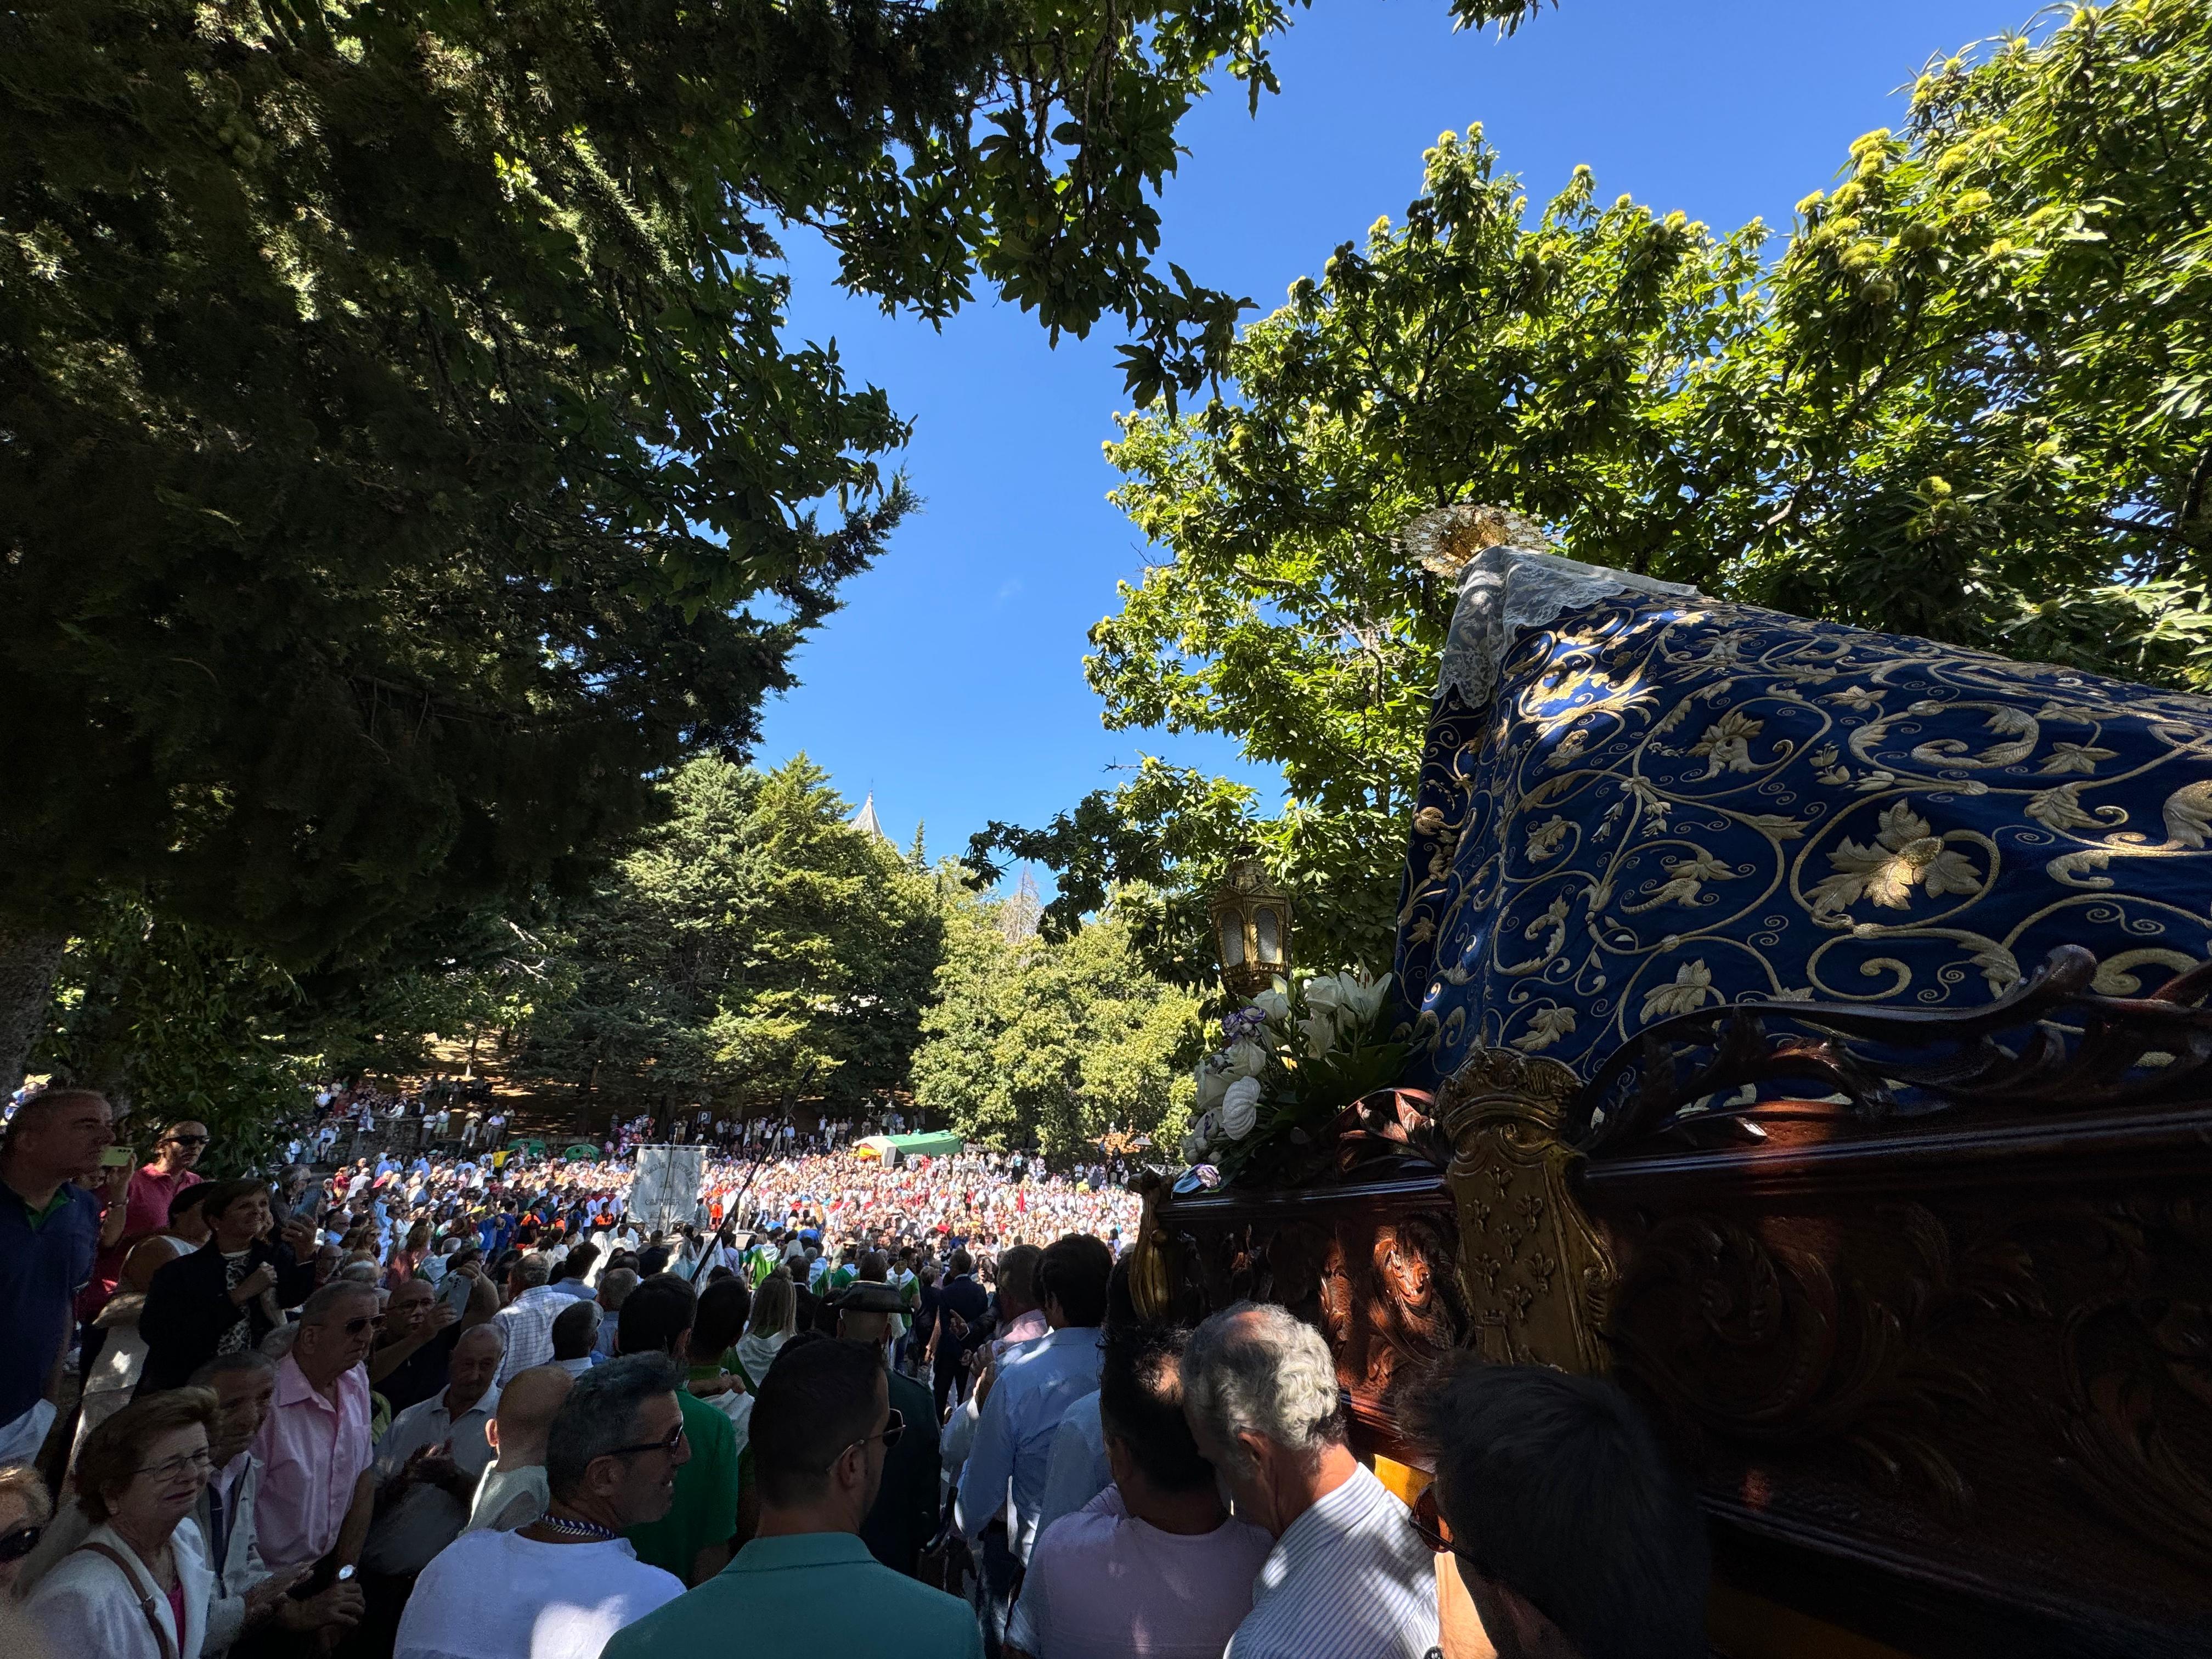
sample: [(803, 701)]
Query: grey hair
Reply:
[(1258, 1369), (615, 1286), (599, 1416), (363, 1273), (318, 1306), (533, 1269), (491, 1328), (240, 1360)]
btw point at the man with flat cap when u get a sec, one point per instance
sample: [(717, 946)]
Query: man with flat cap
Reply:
[(904, 1518)]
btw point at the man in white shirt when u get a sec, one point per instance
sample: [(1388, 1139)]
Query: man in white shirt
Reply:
[(527, 1320), (1348, 1576), (430, 1459), (558, 1588)]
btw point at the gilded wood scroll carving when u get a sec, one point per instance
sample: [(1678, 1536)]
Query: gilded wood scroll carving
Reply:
[(1538, 1277)]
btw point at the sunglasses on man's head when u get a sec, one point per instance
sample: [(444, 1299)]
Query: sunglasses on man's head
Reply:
[(15, 1545)]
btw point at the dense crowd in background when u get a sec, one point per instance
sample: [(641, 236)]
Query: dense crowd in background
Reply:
[(463, 1402)]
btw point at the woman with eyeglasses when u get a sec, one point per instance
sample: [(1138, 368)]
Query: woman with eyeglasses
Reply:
[(212, 1301), (24, 1509), (137, 1588)]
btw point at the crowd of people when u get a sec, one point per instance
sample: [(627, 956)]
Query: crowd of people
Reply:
[(467, 1406)]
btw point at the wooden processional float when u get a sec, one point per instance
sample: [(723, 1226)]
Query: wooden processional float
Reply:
[(1809, 1034)]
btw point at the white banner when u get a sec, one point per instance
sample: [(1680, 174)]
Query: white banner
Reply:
[(666, 1191)]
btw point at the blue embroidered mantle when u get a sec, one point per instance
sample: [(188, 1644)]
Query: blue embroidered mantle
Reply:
[(1669, 802)]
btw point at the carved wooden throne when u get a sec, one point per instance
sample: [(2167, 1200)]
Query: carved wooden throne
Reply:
[(1937, 1346)]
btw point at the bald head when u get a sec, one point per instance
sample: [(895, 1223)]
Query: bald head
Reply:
[(527, 1405)]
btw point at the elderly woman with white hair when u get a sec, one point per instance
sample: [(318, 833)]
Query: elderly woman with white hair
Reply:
[(1348, 1576), (139, 1585)]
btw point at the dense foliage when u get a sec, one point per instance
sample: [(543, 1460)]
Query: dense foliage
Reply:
[(1053, 1045), (754, 947), (401, 458), (1971, 398)]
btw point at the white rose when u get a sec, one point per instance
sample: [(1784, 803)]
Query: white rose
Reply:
[(1212, 1083), (1240, 1107), (1274, 1005), (1244, 1060)]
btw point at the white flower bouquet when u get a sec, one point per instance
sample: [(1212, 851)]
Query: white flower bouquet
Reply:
[(1289, 1063)]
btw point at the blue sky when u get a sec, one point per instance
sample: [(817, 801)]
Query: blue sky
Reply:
[(952, 682)]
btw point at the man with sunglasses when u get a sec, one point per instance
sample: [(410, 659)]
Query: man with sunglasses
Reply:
[(560, 1587), (317, 1491), (691, 1539), (822, 1428)]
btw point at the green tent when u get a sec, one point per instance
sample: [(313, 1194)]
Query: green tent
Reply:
[(581, 1154), (897, 1149)]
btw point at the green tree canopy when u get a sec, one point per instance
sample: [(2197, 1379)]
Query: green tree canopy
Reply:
[(1971, 398), (1051, 1045), (753, 942), (401, 459)]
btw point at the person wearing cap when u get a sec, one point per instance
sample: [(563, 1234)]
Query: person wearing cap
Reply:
[(904, 1518)]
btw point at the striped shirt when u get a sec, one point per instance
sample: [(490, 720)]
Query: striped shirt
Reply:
[(1349, 1579), (527, 1324)]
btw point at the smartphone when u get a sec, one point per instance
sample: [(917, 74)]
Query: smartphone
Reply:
[(453, 1291), (118, 1158)]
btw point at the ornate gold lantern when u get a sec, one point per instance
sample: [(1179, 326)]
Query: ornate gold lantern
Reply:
[(1251, 926)]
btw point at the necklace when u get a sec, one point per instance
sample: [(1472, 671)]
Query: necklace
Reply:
[(584, 1529)]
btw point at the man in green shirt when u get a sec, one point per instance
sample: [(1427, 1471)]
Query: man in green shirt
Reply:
[(821, 1427), (845, 1272), (692, 1541)]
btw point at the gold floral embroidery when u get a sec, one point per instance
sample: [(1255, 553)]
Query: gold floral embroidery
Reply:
[(1710, 802), (1903, 857), (1546, 1027), (1693, 984), (1727, 744)]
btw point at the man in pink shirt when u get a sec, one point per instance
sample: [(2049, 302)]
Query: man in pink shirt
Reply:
[(317, 1494), (1153, 1565)]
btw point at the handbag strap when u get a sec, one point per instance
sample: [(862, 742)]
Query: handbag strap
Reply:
[(163, 1639)]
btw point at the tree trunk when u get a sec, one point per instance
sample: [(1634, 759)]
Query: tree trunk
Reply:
[(28, 957)]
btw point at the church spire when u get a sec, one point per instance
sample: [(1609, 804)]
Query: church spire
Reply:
[(866, 821)]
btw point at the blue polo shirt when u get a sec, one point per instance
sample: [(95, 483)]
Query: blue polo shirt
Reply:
[(44, 1260)]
